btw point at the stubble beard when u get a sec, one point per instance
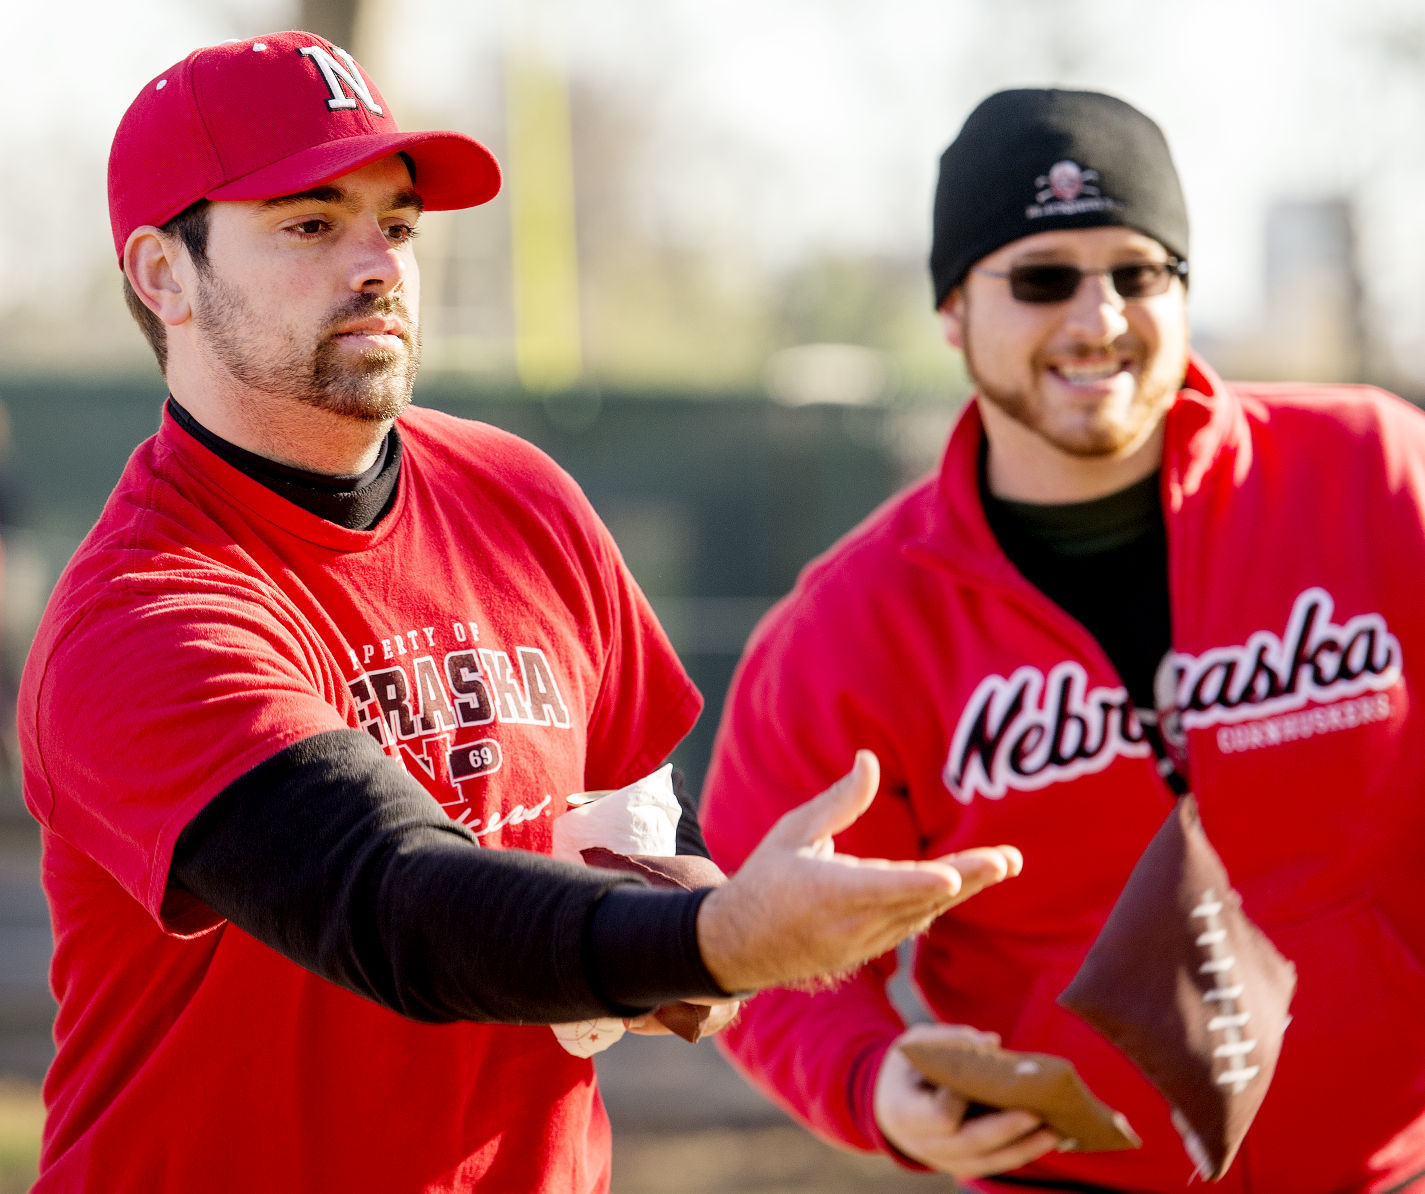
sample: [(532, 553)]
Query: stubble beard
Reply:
[(1157, 385), (372, 386)]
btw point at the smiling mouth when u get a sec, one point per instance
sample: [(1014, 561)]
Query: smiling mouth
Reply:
[(1084, 375)]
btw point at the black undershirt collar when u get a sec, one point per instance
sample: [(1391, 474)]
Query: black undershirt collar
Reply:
[(1081, 528), (355, 501), (1104, 562)]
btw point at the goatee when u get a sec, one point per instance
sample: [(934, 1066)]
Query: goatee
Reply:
[(373, 385)]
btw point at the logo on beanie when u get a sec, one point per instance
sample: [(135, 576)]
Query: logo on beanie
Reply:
[(1066, 190), (1066, 181), (335, 74)]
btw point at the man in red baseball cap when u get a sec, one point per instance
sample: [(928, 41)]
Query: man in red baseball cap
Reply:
[(306, 704)]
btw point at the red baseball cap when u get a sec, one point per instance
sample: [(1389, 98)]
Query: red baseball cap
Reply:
[(271, 116)]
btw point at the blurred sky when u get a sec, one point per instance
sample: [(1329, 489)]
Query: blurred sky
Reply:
[(775, 127)]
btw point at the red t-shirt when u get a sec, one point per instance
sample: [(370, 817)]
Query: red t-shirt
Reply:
[(489, 636)]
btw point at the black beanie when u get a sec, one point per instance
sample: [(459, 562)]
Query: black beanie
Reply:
[(1035, 160)]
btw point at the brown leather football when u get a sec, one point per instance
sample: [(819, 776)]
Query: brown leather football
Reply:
[(1042, 1083), (1190, 989)]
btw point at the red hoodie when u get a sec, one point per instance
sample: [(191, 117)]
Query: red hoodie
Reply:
[(1296, 540)]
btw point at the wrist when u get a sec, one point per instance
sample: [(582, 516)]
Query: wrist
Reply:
[(866, 1078), (721, 945)]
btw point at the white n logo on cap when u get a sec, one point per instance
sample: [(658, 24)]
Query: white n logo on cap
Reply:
[(336, 74)]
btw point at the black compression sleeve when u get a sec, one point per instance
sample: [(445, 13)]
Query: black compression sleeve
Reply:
[(333, 856), (643, 950)]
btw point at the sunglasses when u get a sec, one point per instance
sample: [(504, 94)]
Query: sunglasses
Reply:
[(1059, 283)]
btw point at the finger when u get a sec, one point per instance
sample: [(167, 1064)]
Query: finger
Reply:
[(834, 810), (989, 1133), (932, 1031), (935, 1031), (937, 889), (984, 866), (958, 1157), (648, 1025), (720, 1017), (1004, 859), (911, 889), (997, 1130), (930, 1126)]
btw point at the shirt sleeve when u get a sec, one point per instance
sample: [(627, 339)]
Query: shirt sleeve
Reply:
[(148, 703), (332, 855)]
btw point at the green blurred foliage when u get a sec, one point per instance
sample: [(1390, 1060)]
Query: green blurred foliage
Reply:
[(21, 1119)]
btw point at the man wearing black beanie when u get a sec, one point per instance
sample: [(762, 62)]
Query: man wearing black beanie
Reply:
[(1131, 590)]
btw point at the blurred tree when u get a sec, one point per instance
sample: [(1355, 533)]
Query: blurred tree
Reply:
[(336, 20)]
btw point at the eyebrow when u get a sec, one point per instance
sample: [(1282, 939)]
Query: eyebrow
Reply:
[(405, 197)]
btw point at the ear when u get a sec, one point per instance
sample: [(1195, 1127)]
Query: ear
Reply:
[(152, 267), (952, 318)]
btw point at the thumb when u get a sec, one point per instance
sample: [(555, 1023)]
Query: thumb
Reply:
[(835, 809)]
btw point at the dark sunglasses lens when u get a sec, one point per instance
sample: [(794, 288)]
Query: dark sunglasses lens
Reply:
[(1057, 283), (1043, 283), (1140, 281)]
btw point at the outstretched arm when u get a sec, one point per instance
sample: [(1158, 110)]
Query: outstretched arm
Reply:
[(336, 858)]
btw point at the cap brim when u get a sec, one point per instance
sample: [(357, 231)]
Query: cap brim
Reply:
[(452, 170)]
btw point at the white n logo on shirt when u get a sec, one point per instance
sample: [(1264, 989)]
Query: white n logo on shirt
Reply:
[(336, 73)]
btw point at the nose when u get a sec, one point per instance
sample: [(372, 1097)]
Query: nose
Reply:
[(377, 265), (1097, 311)]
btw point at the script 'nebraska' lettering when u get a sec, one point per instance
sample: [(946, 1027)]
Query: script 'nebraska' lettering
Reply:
[(1030, 729), (1315, 660)]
